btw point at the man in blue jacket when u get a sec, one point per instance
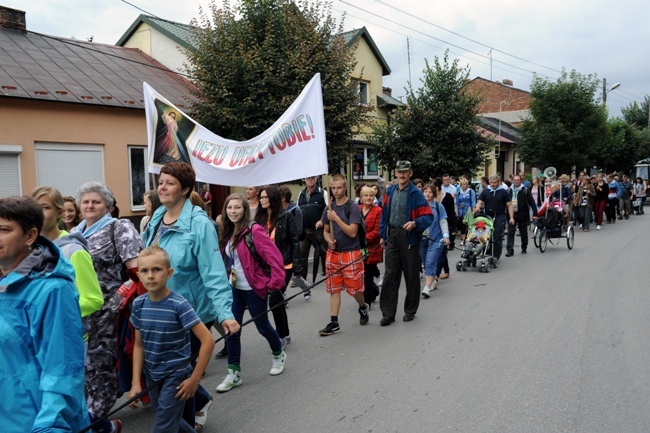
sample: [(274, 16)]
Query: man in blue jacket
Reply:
[(405, 215)]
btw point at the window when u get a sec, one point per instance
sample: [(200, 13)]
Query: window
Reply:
[(362, 91), (365, 164), (67, 166), (139, 178), (10, 183)]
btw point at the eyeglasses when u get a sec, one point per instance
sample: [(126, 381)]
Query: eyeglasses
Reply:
[(264, 197)]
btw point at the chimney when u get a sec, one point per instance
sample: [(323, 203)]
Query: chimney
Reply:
[(507, 82), (12, 19), (387, 91)]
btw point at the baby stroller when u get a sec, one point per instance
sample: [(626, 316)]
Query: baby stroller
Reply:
[(471, 254)]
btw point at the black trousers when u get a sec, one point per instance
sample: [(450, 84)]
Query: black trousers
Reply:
[(371, 290), (497, 235), (400, 258), (611, 211), (312, 239), (523, 232), (280, 313)]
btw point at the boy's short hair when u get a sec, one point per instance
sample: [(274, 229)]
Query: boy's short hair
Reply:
[(25, 211), (156, 250), (338, 177), (285, 193)]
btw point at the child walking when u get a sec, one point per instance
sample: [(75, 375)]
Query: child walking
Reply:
[(163, 320), (255, 268), (343, 261)]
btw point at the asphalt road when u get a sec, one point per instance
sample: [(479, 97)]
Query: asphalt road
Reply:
[(553, 342)]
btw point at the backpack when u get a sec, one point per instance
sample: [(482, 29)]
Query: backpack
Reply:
[(362, 225), (248, 239)]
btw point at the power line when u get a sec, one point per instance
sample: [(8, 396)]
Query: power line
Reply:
[(440, 40), (489, 57), (366, 20), (435, 38), (463, 37)]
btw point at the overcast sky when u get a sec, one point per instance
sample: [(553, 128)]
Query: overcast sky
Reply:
[(604, 37)]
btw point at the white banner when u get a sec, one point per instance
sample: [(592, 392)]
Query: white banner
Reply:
[(293, 148)]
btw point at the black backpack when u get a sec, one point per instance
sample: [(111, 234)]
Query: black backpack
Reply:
[(361, 233)]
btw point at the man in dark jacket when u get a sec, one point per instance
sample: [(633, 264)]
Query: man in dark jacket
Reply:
[(312, 202), (405, 215), (522, 204)]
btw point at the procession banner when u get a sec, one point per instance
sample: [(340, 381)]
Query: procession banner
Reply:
[(293, 148)]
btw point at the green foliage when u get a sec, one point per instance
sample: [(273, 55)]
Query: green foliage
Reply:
[(254, 59), (637, 114), (438, 130), (565, 123), (621, 150)]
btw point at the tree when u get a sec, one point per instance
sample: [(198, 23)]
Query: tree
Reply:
[(637, 114), (565, 122), (254, 59), (438, 130), (621, 150)]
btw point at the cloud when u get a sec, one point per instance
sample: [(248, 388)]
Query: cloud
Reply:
[(603, 37)]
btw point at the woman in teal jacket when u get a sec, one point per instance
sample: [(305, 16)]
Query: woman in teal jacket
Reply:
[(41, 337), (188, 236)]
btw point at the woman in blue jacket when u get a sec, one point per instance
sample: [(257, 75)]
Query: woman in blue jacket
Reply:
[(41, 337), (188, 236)]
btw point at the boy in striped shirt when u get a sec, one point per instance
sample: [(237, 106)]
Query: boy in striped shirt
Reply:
[(163, 320)]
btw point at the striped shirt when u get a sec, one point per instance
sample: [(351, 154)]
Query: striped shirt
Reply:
[(165, 328)]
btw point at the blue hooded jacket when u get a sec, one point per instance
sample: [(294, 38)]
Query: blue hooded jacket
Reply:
[(41, 346), (199, 273)]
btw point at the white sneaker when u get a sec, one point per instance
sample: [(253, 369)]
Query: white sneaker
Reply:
[(598, 227), (278, 364), (426, 292), (435, 285), (580, 226), (379, 281), (232, 380), (421, 275)]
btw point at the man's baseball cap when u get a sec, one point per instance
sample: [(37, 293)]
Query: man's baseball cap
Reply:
[(403, 166)]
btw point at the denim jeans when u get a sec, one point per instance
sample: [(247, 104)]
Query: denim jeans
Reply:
[(202, 395), (256, 306), (167, 408)]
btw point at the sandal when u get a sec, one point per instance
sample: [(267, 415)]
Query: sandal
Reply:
[(201, 416)]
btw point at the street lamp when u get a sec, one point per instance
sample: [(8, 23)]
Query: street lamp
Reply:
[(605, 91)]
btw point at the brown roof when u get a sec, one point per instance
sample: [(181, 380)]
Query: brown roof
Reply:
[(36, 66)]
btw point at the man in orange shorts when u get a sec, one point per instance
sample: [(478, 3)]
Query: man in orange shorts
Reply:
[(343, 263)]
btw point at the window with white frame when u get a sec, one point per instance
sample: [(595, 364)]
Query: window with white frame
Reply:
[(10, 183), (139, 178), (364, 163), (362, 92)]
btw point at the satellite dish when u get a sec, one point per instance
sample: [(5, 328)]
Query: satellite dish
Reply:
[(550, 172)]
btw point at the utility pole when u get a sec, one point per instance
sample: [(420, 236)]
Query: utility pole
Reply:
[(490, 54), (605, 91), (408, 54)]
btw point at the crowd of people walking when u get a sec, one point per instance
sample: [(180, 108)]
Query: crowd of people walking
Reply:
[(64, 263)]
